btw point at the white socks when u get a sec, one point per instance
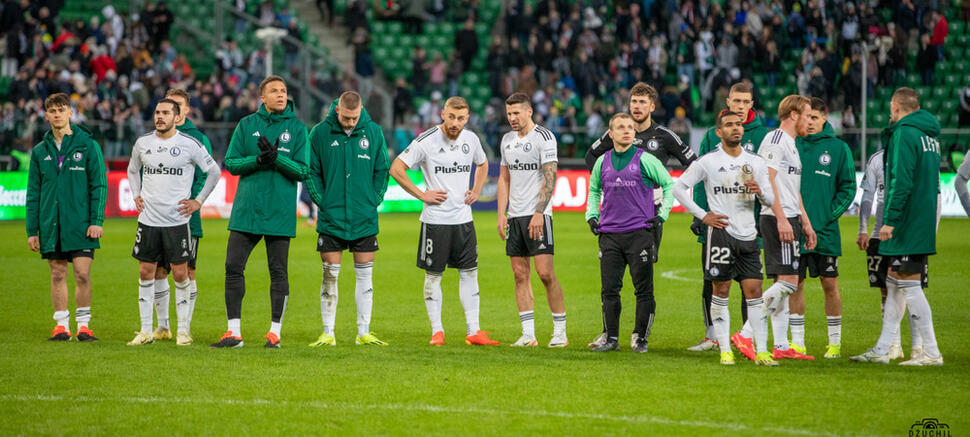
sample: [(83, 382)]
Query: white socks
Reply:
[(558, 323), (328, 296), (146, 299), (161, 302), (759, 320), (364, 296), (62, 318), (920, 315), (835, 329), (275, 327), (82, 316), (528, 323), (432, 300), (234, 327), (891, 316), (193, 293), (468, 293), (797, 322), (182, 305), (779, 325), (721, 320)]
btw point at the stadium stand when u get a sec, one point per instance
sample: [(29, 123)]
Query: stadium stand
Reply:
[(576, 57)]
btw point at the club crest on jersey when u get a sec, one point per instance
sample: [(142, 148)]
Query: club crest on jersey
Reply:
[(364, 143), (825, 159), (653, 145), (714, 271), (747, 169), (526, 147), (748, 146), (175, 151), (78, 156), (465, 148), (285, 137)]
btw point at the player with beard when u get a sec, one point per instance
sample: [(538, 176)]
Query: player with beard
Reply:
[(733, 179), (740, 100), (526, 182), (160, 173), (445, 154)]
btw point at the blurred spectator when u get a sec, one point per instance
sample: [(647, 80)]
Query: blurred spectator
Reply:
[(965, 107), (940, 29), (419, 71), (926, 59), (466, 44), (402, 101)]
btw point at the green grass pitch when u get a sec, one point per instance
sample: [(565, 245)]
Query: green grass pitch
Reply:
[(412, 388)]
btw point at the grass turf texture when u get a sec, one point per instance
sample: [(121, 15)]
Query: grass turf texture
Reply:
[(413, 388)]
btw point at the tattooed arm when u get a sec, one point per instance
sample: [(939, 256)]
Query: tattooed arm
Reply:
[(545, 196)]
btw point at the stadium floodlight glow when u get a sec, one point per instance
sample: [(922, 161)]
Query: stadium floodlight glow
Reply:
[(270, 36)]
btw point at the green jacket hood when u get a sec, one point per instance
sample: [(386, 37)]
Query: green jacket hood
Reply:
[(187, 126), (334, 124), (755, 122), (921, 120), (827, 132), (288, 112)]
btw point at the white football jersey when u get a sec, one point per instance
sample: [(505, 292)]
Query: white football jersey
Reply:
[(446, 165), (524, 157), (724, 176), (167, 167), (874, 182), (778, 150)]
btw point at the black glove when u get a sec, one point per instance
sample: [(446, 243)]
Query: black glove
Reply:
[(594, 225), (698, 227), (655, 222), (269, 152)]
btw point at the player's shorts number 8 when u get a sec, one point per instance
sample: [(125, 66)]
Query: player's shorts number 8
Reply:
[(428, 246), (720, 255)]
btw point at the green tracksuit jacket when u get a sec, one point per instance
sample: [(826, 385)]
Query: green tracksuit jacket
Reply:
[(265, 202), (348, 176), (62, 203), (198, 181), (828, 186), (912, 169), (754, 133)]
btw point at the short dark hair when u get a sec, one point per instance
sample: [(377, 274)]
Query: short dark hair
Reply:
[(517, 98), (178, 92), (269, 80), (175, 106), (818, 104), (349, 100), (741, 87), (57, 99), (720, 117), (644, 89), (907, 98)]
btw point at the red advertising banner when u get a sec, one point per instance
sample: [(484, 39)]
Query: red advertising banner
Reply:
[(572, 187), (121, 204)]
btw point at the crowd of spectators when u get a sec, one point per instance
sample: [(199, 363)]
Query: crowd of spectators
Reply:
[(576, 58), (115, 68), (579, 58)]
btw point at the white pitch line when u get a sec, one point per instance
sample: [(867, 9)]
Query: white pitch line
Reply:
[(736, 427), (675, 275)]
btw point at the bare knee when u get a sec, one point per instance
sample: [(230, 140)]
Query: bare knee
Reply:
[(548, 277), (520, 273), (58, 271)]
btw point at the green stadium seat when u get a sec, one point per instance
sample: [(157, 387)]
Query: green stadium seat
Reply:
[(423, 41), (957, 28), (447, 28), (931, 105), (379, 28), (941, 92), (395, 27), (943, 67), (405, 41), (913, 80)]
